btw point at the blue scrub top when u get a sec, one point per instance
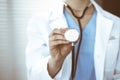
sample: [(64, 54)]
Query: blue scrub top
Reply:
[(85, 66)]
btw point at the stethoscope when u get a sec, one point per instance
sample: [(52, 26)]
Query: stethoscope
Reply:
[(69, 36)]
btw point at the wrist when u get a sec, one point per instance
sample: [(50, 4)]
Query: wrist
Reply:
[(53, 67), (55, 63)]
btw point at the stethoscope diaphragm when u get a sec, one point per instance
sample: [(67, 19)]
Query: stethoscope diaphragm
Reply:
[(71, 35)]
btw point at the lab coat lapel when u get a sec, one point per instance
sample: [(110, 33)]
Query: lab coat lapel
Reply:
[(103, 29)]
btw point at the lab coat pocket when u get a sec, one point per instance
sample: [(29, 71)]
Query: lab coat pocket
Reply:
[(113, 41)]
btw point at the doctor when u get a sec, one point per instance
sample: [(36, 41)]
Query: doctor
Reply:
[(49, 55)]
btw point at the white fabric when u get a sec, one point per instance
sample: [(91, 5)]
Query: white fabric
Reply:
[(107, 45)]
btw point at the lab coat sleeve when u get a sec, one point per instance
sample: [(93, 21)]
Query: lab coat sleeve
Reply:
[(37, 51)]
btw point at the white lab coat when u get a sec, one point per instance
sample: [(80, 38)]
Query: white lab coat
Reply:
[(106, 52)]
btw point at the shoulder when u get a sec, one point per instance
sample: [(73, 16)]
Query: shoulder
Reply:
[(44, 10), (112, 17), (115, 19), (106, 14)]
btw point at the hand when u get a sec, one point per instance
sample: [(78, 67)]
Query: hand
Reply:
[(59, 49)]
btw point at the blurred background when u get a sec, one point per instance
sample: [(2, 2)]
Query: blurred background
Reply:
[(14, 16)]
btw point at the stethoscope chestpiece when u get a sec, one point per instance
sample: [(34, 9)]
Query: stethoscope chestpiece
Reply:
[(71, 35)]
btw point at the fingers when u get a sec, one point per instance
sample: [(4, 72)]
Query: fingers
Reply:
[(57, 34), (57, 37), (59, 42), (58, 31)]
